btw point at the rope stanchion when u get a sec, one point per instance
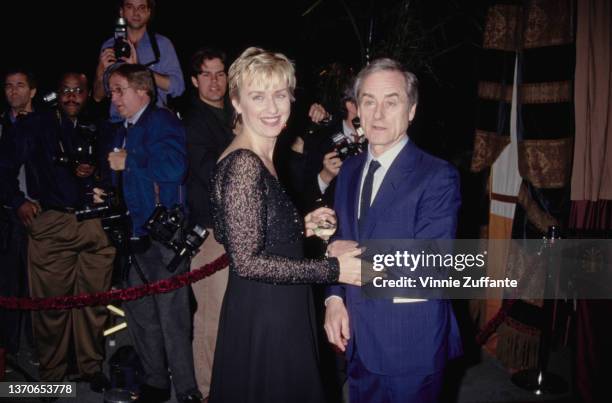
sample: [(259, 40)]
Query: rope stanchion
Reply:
[(124, 294)]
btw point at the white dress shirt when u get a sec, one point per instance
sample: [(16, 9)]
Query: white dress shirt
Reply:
[(135, 117), (385, 160)]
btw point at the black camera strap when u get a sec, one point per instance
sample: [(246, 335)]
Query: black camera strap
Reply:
[(132, 261), (58, 133), (154, 47)]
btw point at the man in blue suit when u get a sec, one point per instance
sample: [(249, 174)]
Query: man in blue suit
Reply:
[(396, 348), (149, 163)]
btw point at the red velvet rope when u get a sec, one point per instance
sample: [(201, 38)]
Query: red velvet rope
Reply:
[(124, 294), (171, 284)]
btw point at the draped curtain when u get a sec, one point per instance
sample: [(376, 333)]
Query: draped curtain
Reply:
[(591, 212), (537, 35)]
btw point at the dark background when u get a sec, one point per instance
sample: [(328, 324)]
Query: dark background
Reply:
[(50, 37)]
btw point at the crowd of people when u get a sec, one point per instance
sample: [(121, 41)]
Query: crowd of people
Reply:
[(255, 333)]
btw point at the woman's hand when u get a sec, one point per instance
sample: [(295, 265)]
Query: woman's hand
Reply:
[(350, 267), (321, 222)]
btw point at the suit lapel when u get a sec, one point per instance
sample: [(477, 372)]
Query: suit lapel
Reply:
[(136, 132), (353, 196), (396, 177)]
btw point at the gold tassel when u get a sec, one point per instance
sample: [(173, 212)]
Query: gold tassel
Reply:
[(517, 349)]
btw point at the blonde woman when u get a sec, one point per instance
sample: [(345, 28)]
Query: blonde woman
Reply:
[(266, 347)]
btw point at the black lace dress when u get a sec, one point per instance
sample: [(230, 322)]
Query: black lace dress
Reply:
[(266, 347)]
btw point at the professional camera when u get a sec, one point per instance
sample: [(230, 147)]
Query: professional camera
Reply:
[(84, 151), (346, 149), (121, 45), (112, 215), (110, 206), (169, 226)]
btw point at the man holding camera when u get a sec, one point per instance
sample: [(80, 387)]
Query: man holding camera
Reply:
[(149, 163), (147, 48), (65, 257), (323, 161)]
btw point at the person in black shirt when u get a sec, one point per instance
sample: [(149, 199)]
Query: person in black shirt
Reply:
[(19, 89), (65, 257), (208, 125), (322, 162)]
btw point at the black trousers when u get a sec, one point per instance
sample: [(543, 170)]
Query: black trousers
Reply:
[(160, 325), (13, 281)]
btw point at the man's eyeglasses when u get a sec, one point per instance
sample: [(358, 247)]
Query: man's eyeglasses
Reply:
[(75, 90), (119, 91)]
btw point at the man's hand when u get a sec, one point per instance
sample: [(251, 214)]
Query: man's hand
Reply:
[(340, 247), (133, 59), (317, 113), (298, 145), (98, 195), (27, 212), (107, 59), (84, 170), (337, 323), (116, 159), (331, 166)]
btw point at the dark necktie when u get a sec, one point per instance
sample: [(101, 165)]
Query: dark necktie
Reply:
[(127, 130), (366, 194), (120, 173), (123, 132)]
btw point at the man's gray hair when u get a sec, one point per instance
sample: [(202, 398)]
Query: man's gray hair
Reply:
[(386, 64)]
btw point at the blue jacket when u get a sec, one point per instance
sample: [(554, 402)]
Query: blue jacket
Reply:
[(156, 154), (418, 199)]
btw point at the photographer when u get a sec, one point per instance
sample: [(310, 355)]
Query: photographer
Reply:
[(65, 257), (324, 153), (149, 163), (145, 47), (19, 90)]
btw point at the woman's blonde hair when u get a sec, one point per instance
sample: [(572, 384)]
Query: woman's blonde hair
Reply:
[(259, 65)]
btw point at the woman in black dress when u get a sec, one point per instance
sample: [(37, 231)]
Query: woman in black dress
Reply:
[(266, 348)]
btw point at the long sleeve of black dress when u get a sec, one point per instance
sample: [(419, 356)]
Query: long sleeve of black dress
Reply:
[(250, 213)]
